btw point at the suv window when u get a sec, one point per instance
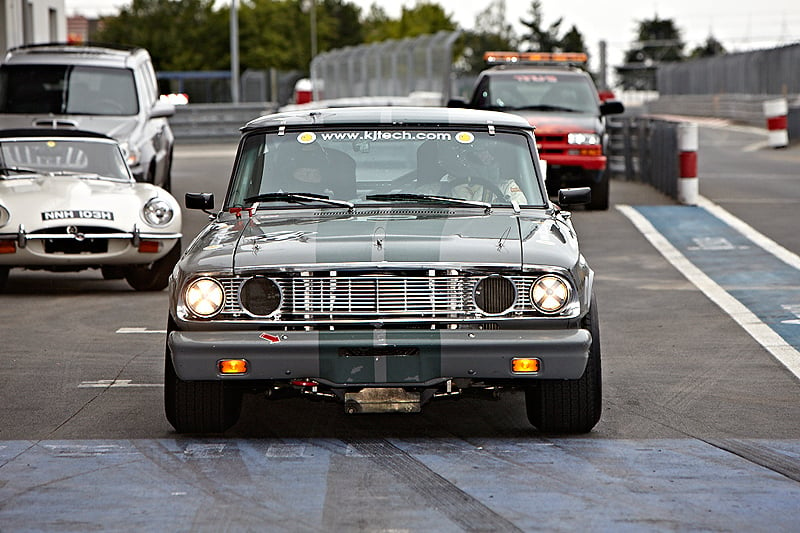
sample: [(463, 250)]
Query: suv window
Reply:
[(67, 89)]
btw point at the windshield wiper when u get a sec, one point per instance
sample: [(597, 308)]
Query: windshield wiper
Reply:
[(545, 108), (18, 170), (298, 198), (428, 198)]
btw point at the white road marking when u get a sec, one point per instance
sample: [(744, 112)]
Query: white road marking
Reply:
[(762, 333), (115, 383), (141, 330)]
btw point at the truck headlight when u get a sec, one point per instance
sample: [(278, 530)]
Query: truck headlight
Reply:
[(583, 138), (550, 294), (204, 297), (157, 212)]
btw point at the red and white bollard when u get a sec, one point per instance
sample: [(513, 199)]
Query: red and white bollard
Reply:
[(776, 111), (688, 183)]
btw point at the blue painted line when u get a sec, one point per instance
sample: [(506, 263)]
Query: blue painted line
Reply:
[(764, 284)]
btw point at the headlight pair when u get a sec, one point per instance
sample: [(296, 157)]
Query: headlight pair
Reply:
[(259, 296), (583, 138), (494, 295)]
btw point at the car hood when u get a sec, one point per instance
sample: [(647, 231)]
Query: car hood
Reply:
[(120, 128), (414, 238), (51, 201), (555, 123)]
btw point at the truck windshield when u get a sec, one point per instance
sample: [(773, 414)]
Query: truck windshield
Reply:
[(543, 92)]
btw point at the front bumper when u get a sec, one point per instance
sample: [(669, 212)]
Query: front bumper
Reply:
[(584, 162), (380, 357)]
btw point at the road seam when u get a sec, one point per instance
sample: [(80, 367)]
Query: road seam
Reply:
[(761, 332)]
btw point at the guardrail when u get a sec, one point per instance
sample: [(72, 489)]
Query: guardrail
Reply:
[(202, 122)]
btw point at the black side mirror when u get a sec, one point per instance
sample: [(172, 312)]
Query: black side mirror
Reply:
[(203, 201), (577, 196), (612, 107)]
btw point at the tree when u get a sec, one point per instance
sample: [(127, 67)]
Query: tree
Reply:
[(491, 32), (171, 30), (658, 40), (539, 39), (423, 19), (710, 48)]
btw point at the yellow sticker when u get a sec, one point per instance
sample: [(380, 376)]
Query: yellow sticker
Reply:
[(307, 137), (465, 137)]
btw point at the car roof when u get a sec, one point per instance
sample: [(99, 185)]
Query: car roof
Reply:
[(51, 133), (71, 54), (388, 116)]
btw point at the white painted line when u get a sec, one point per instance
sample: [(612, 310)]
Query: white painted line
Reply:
[(751, 233), (114, 383), (762, 333), (141, 330)]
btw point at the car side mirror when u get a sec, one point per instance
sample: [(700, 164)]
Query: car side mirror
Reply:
[(162, 109), (576, 196), (612, 107), (203, 201), (457, 102)]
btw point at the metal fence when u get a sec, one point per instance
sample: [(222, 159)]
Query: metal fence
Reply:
[(645, 150), (775, 71), (388, 68)]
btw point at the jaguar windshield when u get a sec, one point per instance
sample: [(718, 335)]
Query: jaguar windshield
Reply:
[(476, 167), (19, 158)]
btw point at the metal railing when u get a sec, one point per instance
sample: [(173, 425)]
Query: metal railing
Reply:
[(389, 68)]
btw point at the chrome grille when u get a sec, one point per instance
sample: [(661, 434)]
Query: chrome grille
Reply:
[(331, 297)]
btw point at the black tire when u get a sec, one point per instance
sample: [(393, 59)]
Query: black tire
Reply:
[(167, 181), (4, 277), (574, 405), (600, 192), (199, 406), (155, 276), (112, 272)]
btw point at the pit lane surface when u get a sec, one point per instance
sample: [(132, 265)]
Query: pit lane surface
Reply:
[(700, 428)]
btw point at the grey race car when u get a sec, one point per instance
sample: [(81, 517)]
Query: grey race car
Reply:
[(382, 258)]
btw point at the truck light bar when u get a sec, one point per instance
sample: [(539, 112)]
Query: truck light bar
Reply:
[(535, 57)]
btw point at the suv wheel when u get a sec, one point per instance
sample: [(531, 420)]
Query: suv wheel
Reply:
[(600, 191), (155, 276), (572, 405)]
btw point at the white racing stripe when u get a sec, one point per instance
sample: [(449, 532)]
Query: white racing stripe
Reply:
[(762, 333)]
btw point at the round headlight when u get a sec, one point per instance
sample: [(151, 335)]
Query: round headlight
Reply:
[(550, 294), (5, 216), (495, 294), (260, 296), (204, 297), (157, 212)]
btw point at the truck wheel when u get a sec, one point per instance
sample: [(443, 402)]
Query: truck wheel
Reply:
[(600, 192), (199, 406), (4, 277), (155, 276), (572, 405)]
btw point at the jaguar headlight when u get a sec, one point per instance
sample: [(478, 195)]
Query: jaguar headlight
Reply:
[(204, 297), (550, 294), (5, 216), (157, 212), (583, 138)]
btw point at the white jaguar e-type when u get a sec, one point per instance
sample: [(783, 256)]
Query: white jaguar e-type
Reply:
[(68, 202)]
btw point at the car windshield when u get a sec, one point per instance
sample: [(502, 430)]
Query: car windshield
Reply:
[(67, 90), (542, 92), (379, 166), (20, 158)]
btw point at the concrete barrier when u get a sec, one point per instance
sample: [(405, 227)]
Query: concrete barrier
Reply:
[(203, 122)]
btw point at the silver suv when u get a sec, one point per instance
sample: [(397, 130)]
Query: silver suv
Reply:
[(97, 88)]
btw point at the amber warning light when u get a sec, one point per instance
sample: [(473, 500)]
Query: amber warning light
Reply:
[(232, 366), (525, 365), (535, 57)]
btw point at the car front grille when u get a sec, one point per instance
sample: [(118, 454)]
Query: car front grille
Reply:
[(370, 296)]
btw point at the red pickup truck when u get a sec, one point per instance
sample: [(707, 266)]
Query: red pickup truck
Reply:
[(560, 99)]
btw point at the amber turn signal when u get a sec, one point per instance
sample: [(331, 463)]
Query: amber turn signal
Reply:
[(525, 365), (232, 366)]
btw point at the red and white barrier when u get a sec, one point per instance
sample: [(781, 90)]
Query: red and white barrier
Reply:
[(776, 111), (688, 182)]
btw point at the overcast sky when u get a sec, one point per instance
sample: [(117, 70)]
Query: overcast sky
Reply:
[(738, 24)]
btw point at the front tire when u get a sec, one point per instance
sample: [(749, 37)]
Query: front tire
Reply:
[(199, 406), (155, 276), (571, 405)]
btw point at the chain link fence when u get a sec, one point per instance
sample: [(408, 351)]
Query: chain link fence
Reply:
[(393, 68)]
